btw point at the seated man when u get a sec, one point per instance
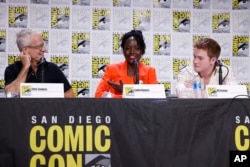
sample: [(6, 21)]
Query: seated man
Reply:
[(31, 46), (205, 57)]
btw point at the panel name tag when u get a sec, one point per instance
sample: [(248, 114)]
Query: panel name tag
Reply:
[(143, 91), (226, 91), (41, 90)]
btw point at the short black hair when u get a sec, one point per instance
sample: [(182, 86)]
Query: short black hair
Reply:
[(137, 34)]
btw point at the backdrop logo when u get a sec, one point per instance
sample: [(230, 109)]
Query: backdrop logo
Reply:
[(167, 87), (2, 83), (62, 61), (181, 21), (99, 66), (81, 88), (101, 19), (225, 61), (241, 4), (221, 22), (241, 45), (80, 42), (178, 65), (162, 4), (146, 60), (117, 43), (18, 16), (2, 40), (45, 35), (141, 19), (162, 44), (247, 85), (60, 17), (13, 58), (199, 37), (198, 4)]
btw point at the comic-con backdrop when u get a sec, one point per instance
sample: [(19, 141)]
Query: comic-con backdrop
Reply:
[(83, 36)]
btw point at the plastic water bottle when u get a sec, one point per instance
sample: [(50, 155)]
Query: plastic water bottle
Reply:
[(197, 86), (12, 95)]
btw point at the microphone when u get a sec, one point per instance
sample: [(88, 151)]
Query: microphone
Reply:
[(136, 72), (218, 63), (42, 61)]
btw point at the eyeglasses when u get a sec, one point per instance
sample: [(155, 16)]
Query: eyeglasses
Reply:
[(39, 47)]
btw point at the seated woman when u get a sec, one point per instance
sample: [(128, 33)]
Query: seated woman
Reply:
[(125, 72)]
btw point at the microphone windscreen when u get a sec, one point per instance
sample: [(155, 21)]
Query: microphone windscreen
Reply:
[(218, 63), (42, 60), (135, 62)]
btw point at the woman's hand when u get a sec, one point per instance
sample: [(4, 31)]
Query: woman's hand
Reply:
[(117, 87)]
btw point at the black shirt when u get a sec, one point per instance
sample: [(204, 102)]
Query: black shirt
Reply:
[(52, 74)]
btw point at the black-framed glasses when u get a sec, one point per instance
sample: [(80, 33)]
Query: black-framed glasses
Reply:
[(39, 47)]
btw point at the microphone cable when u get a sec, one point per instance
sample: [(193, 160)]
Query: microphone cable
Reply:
[(226, 74), (42, 61)]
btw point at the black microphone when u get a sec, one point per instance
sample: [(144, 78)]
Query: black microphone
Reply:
[(136, 72), (218, 63), (42, 61)]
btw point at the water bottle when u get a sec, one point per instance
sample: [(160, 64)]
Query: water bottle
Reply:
[(197, 86), (12, 95)]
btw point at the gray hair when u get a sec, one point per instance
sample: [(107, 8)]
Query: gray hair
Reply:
[(23, 37)]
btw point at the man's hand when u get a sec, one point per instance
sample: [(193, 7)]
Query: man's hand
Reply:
[(25, 59), (188, 84)]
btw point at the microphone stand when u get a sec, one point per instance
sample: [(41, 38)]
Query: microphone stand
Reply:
[(220, 76), (220, 72), (136, 72), (42, 61)]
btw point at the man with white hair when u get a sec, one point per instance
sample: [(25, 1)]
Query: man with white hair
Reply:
[(32, 47)]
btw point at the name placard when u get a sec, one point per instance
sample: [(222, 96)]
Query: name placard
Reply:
[(41, 90), (143, 91), (226, 91)]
